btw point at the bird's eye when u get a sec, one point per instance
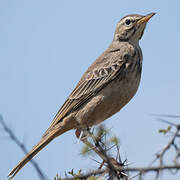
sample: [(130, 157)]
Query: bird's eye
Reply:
[(128, 21)]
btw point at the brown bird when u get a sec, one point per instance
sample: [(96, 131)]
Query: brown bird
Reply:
[(107, 85)]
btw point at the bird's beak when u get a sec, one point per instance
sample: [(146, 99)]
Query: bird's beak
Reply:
[(146, 18)]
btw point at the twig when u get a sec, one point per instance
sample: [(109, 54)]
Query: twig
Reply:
[(14, 138), (101, 152), (160, 155), (140, 170)]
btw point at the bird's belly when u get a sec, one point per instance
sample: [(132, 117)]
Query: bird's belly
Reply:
[(107, 102)]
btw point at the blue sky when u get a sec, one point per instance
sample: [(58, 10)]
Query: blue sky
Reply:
[(45, 46)]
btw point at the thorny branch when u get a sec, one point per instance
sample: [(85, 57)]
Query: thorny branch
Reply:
[(99, 147), (112, 168), (139, 170), (14, 138)]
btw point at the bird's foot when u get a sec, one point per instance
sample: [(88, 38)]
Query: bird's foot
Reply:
[(82, 133)]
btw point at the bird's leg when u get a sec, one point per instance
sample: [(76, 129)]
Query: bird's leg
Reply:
[(82, 133)]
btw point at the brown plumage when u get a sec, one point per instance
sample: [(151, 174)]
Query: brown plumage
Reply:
[(108, 85)]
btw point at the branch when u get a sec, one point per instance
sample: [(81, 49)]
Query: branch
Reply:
[(119, 170), (170, 144), (140, 170), (14, 138)]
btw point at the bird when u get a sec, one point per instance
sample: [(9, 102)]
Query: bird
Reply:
[(104, 89)]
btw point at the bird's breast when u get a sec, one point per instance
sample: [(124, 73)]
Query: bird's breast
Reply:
[(109, 100)]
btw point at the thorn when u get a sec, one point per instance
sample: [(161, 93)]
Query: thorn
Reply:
[(166, 115), (167, 122)]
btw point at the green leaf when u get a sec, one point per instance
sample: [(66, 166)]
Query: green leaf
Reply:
[(114, 140), (165, 131)]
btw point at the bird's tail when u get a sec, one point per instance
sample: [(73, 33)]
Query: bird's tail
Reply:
[(46, 139)]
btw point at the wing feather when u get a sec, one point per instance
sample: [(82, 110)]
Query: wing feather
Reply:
[(92, 81)]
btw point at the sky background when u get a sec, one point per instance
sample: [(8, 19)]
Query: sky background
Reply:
[(45, 47)]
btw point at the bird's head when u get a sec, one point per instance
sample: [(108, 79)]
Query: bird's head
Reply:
[(131, 27)]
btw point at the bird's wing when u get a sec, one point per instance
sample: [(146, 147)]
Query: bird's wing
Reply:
[(98, 75)]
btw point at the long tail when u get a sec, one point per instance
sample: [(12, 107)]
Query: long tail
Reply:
[(46, 139)]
